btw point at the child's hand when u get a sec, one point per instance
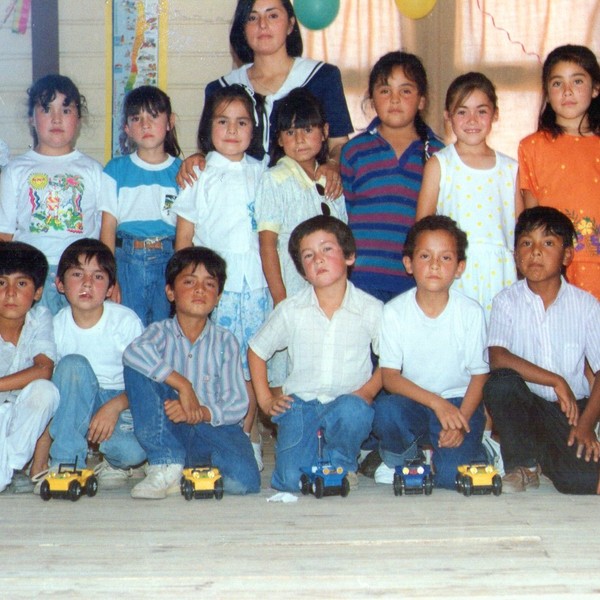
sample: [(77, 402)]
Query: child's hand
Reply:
[(586, 440), (277, 405), (190, 406), (449, 415), (451, 438), (103, 423), (333, 180), (186, 174), (567, 401)]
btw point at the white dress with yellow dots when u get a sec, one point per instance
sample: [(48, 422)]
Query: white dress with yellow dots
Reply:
[(482, 202)]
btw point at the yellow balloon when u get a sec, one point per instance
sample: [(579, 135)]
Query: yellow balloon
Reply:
[(415, 9)]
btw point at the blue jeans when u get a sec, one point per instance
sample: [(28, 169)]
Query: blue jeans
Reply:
[(52, 299), (80, 398), (346, 423), (401, 424), (141, 275), (226, 447)]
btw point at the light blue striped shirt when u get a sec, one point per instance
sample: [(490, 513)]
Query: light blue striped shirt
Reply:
[(557, 339), (212, 364)]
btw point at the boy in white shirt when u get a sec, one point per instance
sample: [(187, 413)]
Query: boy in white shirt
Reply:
[(432, 359), (91, 335), (27, 354), (329, 330)]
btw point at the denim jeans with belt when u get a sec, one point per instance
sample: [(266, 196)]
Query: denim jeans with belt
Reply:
[(226, 447), (80, 398), (141, 274)]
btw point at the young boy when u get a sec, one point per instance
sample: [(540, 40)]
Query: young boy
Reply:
[(186, 387), (542, 332), (27, 354), (328, 330), (432, 359), (91, 335)]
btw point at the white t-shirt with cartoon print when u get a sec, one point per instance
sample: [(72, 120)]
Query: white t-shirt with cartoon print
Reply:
[(50, 201)]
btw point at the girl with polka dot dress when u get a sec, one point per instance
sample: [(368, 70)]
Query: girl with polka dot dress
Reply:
[(559, 165), (476, 186)]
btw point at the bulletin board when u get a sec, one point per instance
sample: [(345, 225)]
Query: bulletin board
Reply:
[(137, 47)]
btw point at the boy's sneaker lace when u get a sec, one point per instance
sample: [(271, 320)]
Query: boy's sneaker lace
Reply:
[(160, 481), (112, 478)]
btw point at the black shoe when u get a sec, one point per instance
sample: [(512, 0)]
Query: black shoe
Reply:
[(369, 465)]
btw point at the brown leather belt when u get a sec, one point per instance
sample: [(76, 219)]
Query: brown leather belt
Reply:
[(142, 244)]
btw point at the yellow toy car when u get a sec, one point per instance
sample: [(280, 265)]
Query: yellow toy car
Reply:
[(478, 479), (202, 482), (69, 482)]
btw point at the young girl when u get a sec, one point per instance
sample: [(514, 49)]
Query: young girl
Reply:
[(475, 185), (49, 195), (217, 211), (382, 170), (559, 165), (288, 193), (138, 192)]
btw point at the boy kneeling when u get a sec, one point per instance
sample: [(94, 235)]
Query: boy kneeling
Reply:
[(186, 387), (328, 330), (542, 331), (432, 359)]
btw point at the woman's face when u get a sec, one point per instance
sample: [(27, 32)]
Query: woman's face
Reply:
[(267, 27)]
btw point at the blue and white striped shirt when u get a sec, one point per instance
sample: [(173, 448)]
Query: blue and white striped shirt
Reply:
[(212, 364)]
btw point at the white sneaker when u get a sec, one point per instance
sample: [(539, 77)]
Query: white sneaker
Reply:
[(257, 448), (160, 481), (112, 478), (384, 474)]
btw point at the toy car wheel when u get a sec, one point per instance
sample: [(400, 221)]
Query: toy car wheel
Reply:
[(397, 486), (182, 484), (497, 485), (467, 485), (305, 485), (45, 491), (459, 483), (75, 491), (318, 487), (219, 489), (345, 487), (91, 486), (187, 489), (428, 486)]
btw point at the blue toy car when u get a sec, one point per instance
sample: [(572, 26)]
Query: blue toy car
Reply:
[(324, 479), (414, 477)]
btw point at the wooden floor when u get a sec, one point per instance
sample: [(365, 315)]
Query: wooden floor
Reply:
[(539, 544)]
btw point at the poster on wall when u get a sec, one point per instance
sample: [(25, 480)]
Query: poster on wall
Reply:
[(138, 52)]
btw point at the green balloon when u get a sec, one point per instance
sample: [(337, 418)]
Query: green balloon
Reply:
[(316, 14)]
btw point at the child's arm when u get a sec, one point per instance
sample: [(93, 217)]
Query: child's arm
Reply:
[(184, 234), (453, 438), (519, 200), (187, 174), (448, 415), (103, 422), (583, 435), (108, 235), (371, 388), (271, 265), (501, 358), (430, 189), (186, 408), (41, 369), (271, 405)]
